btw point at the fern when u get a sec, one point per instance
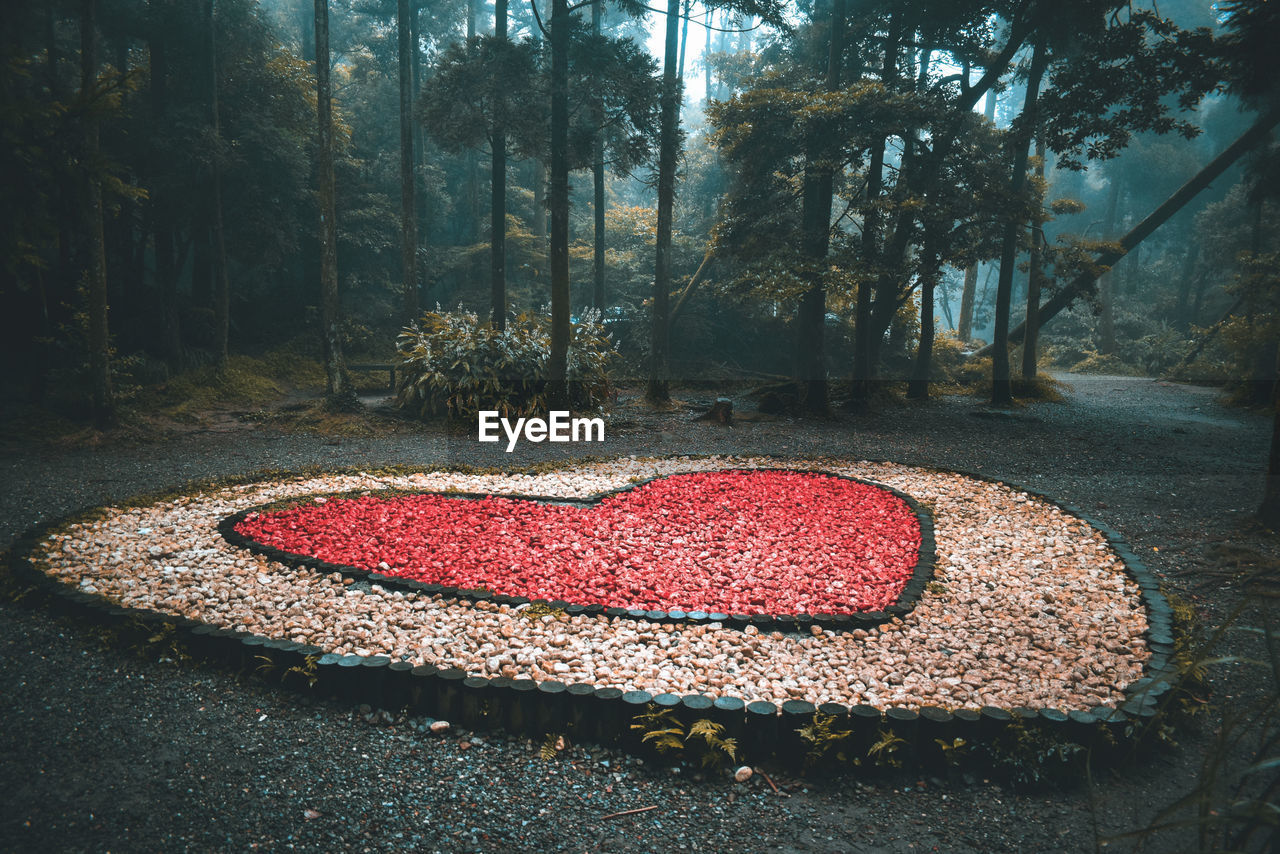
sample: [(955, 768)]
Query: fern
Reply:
[(307, 670), (705, 738), (885, 750), (551, 745), (717, 750), (822, 736)]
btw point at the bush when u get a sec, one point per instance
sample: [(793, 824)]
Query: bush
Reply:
[(453, 364)]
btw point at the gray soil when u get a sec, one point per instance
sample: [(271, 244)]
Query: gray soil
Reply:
[(106, 748)]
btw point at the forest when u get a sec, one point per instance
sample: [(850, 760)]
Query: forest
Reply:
[(844, 197), (925, 356)]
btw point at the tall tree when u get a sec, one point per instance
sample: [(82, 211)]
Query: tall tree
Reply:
[(101, 396), (558, 357), (1035, 274), (668, 148), (408, 180), (969, 291), (163, 201), (472, 187), (818, 188), (597, 178), (1020, 146), (330, 309), (221, 283), (498, 190)]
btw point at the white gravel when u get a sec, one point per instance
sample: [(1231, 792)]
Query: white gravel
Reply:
[(1032, 607)]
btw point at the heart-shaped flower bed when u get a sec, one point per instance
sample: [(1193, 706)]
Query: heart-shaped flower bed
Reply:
[(747, 542)]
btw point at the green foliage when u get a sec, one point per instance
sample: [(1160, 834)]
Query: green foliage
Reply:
[(1104, 363), (484, 81), (703, 740), (1229, 808), (453, 363), (1029, 755), (823, 737), (884, 752), (1118, 75)]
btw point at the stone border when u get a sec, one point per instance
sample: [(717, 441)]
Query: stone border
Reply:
[(922, 574), (604, 715)]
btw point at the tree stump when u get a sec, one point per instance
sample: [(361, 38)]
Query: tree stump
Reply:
[(720, 412)]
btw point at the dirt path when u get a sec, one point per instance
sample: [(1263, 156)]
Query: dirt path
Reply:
[(102, 748)]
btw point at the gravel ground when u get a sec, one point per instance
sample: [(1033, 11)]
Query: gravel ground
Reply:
[(104, 748)]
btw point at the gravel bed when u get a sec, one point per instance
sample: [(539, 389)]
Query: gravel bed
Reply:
[(1030, 606), (106, 748)]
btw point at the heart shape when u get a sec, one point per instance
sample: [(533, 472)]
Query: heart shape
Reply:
[(734, 541)]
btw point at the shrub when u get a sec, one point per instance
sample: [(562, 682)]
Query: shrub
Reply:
[(454, 364)]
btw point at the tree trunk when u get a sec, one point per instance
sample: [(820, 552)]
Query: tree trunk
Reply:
[(101, 398), (918, 385), (1106, 282), (170, 337), (1181, 317), (684, 36), (201, 264), (970, 292), (597, 181), (558, 360), (221, 284), (1154, 220), (1001, 387), (330, 309), (811, 374), (408, 194), (307, 21), (1269, 512), (1034, 276), (498, 194), (860, 395), (423, 229), (864, 350), (706, 62), (472, 190), (659, 349)]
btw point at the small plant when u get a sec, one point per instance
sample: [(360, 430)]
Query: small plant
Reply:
[(1029, 755), (704, 738), (552, 744), (885, 751), (716, 750), (660, 727), (538, 610), (954, 751), (161, 641), (307, 671), (823, 737)]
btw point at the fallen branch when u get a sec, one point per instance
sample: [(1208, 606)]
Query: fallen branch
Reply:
[(694, 281), (627, 812), (773, 785), (1107, 259)]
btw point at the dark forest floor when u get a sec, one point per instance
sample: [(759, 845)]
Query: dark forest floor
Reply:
[(104, 748)]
